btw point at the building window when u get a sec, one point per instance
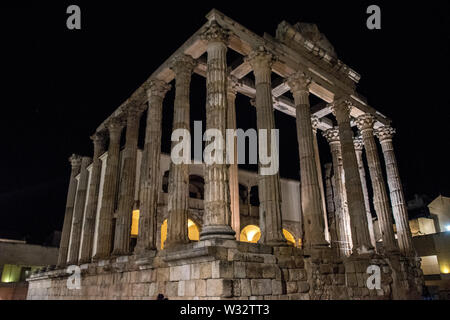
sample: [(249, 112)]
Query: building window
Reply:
[(11, 273)]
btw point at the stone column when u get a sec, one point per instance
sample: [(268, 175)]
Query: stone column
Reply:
[(315, 126), (332, 223), (355, 197), (150, 174), (359, 145), (177, 229), (92, 199), (75, 161), (78, 211), (217, 216), (310, 191), (381, 203), (385, 134), (127, 181), (110, 185), (268, 185), (344, 232), (233, 167)]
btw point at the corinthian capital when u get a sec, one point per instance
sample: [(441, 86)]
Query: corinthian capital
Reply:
[(99, 137), (215, 33), (115, 125), (358, 143), (75, 161), (342, 104), (332, 135), (232, 84), (260, 58), (183, 64), (299, 81), (134, 109), (385, 133), (156, 87), (365, 122), (314, 123)]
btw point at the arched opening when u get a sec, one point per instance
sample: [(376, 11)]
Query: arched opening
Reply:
[(289, 237), (250, 233), (193, 232)]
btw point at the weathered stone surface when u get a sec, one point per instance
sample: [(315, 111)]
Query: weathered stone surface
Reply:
[(261, 286), (219, 288)]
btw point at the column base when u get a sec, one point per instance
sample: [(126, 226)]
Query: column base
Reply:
[(217, 232), (118, 253), (174, 243), (142, 250)]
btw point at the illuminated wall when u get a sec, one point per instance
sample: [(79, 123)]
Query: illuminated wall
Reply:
[(135, 223), (193, 232), (252, 233), (11, 273)]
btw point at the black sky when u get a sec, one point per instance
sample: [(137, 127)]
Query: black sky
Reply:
[(58, 85)]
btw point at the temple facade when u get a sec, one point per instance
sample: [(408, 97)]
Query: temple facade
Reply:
[(138, 224)]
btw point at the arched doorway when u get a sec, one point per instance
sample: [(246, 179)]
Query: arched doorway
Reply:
[(250, 233), (289, 237), (193, 232)]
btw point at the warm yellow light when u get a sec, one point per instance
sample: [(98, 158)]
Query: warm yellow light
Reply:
[(250, 233), (445, 270), (11, 273), (135, 223), (289, 237), (193, 232)]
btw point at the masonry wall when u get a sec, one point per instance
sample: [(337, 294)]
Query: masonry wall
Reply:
[(220, 270)]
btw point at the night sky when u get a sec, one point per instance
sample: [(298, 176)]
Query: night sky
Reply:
[(58, 85)]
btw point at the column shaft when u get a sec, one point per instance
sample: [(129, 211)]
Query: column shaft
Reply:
[(343, 230), (312, 208), (358, 143), (92, 198), (268, 185), (110, 185), (127, 182), (315, 124), (332, 223), (78, 212), (233, 166), (355, 197), (150, 168), (381, 203), (177, 229), (75, 161), (217, 216), (399, 207)]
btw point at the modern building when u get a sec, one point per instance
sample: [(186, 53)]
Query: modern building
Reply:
[(18, 260)]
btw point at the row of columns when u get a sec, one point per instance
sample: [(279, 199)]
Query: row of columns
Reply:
[(347, 187), (351, 223)]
